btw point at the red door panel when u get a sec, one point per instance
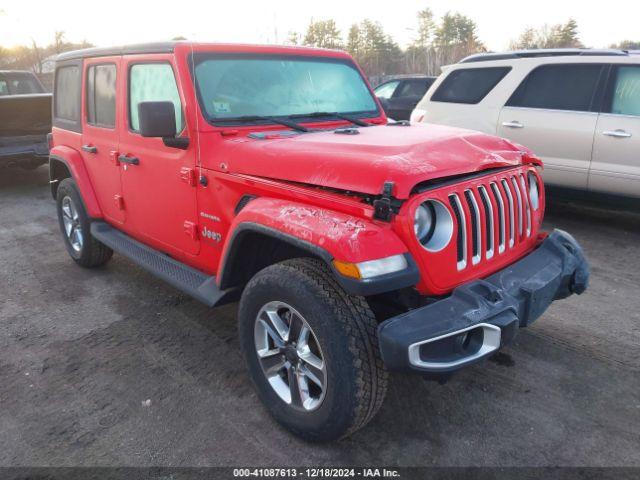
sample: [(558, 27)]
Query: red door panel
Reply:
[(100, 134), (159, 194)]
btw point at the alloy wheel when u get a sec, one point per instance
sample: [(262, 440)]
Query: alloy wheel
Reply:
[(72, 226), (290, 356)]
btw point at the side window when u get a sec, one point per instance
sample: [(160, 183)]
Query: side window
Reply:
[(559, 87), (23, 84), (469, 85), (4, 88), (101, 95), (412, 88), (386, 89), (149, 82), (67, 94), (626, 91)]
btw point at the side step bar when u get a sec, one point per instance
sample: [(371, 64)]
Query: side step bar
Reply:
[(191, 281)]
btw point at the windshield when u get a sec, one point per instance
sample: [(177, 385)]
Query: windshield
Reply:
[(234, 87)]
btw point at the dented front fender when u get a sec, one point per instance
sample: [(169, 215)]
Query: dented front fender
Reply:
[(327, 234)]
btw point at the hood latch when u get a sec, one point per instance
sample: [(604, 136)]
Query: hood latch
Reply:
[(382, 209)]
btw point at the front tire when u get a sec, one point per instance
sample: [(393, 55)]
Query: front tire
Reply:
[(75, 226), (311, 350)]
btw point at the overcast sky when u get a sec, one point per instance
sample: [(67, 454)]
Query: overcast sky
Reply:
[(114, 22)]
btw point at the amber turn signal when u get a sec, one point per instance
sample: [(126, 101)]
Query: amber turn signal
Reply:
[(347, 269)]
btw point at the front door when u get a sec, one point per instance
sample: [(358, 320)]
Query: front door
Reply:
[(553, 112), (615, 167), (159, 187), (101, 123)]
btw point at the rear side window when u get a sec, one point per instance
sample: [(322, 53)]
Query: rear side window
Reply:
[(19, 84), (469, 85), (67, 94), (559, 87), (101, 95), (153, 82), (626, 91), (412, 88)]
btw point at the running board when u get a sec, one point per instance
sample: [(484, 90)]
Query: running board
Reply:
[(191, 281)]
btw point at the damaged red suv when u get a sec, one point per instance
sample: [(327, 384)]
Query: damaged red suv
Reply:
[(270, 175)]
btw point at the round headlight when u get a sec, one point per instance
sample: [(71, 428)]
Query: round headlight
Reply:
[(534, 191), (433, 225), (424, 222)]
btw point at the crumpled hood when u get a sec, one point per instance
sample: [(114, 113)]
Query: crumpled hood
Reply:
[(405, 155)]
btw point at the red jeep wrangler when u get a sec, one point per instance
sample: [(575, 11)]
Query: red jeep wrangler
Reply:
[(271, 175)]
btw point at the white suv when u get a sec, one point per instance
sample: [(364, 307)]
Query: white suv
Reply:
[(578, 109)]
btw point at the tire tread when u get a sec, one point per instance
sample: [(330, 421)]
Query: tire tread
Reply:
[(357, 318)]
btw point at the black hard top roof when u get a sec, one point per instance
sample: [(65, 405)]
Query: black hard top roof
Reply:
[(139, 48)]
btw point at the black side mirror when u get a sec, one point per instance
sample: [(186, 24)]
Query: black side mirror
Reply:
[(157, 119)]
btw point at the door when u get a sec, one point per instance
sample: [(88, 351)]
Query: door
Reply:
[(554, 113), (405, 97), (100, 134), (615, 166), (159, 186)]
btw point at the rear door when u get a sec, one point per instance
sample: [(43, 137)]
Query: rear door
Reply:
[(467, 98), (554, 113), (100, 133), (159, 191), (615, 166)]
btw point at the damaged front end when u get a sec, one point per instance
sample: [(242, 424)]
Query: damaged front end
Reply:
[(482, 316)]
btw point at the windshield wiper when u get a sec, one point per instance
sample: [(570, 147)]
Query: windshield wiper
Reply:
[(355, 121), (257, 118)]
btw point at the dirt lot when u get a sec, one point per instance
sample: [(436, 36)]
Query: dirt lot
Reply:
[(113, 367)]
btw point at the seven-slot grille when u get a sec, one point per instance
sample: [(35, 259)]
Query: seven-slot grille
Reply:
[(503, 203)]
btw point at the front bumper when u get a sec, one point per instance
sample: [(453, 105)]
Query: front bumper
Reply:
[(480, 317)]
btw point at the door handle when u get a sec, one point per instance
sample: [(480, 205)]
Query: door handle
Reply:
[(616, 133), (89, 149), (129, 160), (514, 124)]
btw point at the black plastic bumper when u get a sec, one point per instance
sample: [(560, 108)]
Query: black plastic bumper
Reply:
[(25, 147), (478, 318)]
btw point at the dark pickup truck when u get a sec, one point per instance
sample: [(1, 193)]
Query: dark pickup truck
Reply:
[(25, 120)]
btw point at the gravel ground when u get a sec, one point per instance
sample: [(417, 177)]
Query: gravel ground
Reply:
[(113, 367)]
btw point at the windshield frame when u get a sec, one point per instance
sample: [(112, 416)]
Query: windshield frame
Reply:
[(196, 58)]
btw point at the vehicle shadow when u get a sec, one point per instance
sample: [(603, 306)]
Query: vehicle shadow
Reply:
[(581, 215)]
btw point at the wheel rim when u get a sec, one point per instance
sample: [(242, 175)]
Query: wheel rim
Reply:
[(71, 222), (290, 356)]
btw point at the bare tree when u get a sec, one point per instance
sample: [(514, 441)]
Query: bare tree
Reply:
[(36, 65)]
